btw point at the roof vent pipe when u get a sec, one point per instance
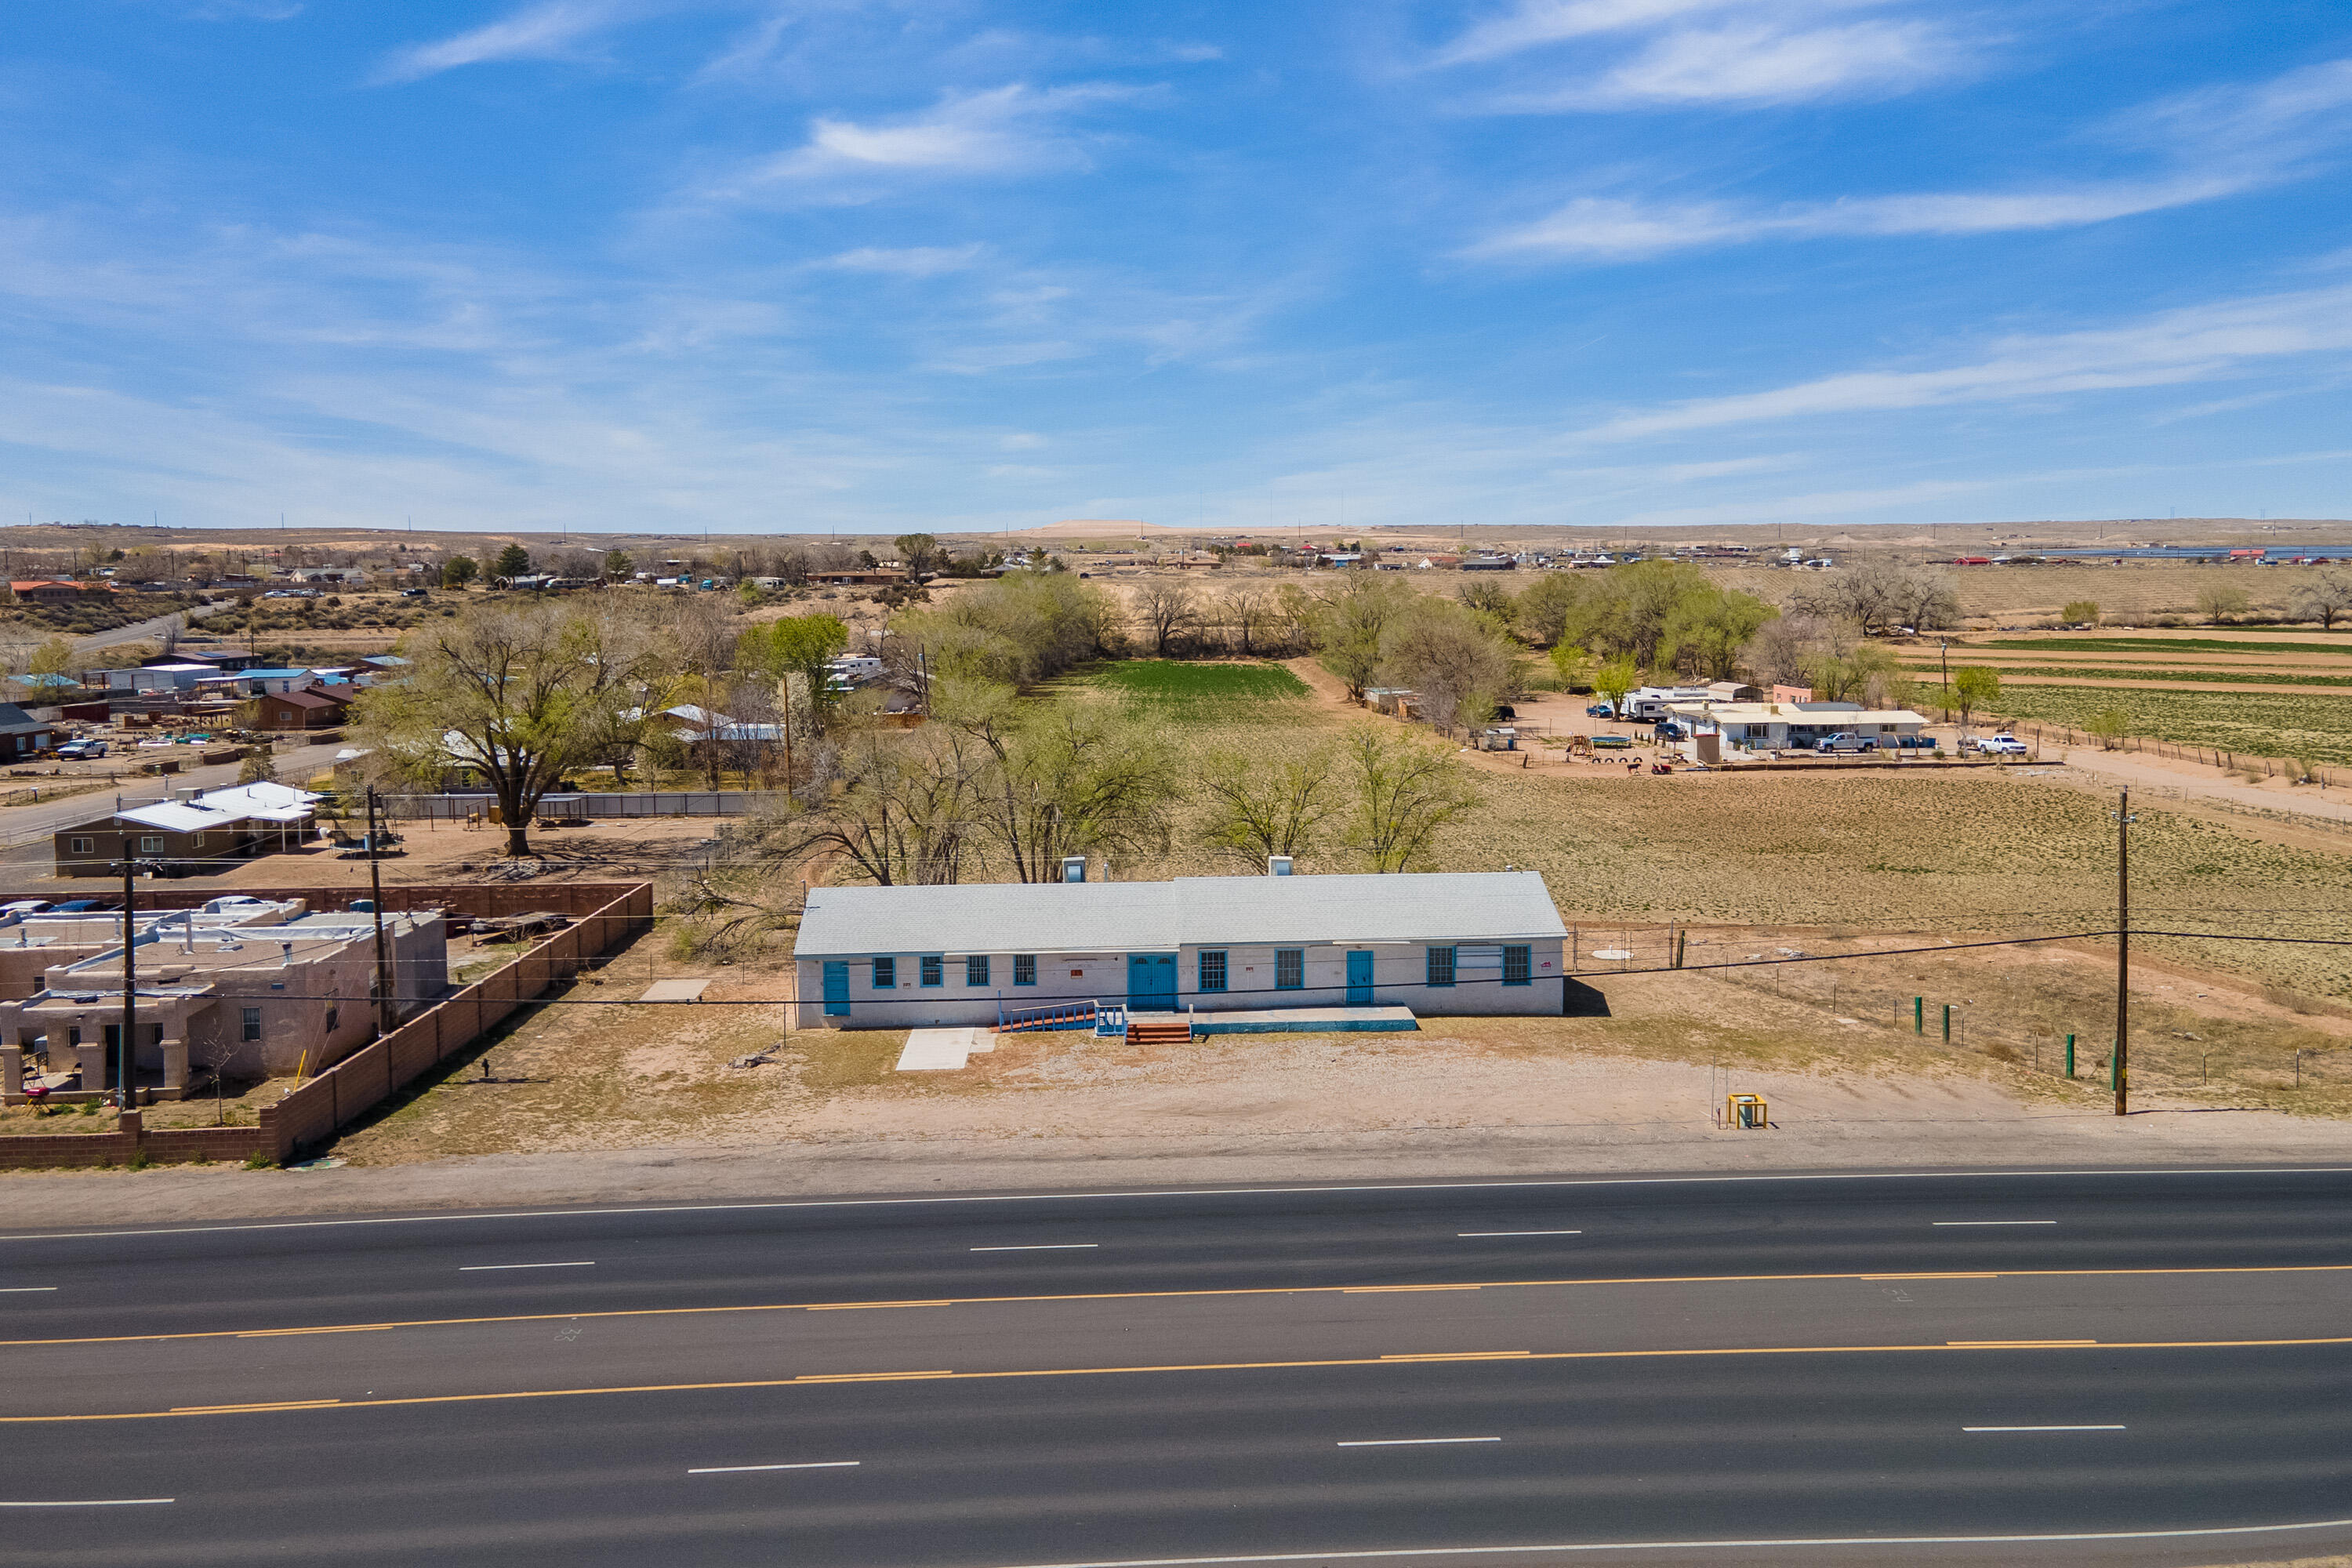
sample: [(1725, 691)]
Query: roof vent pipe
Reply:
[(285, 955), (1278, 865), (1073, 868)]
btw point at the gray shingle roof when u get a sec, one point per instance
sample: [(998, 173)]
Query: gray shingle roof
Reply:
[(1158, 917)]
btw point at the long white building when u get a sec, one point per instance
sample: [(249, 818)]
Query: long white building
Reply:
[(1456, 942)]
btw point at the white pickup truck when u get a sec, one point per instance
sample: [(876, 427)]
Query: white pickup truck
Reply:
[(2001, 746)]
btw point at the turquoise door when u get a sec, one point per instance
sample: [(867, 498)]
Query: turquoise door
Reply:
[(837, 990), (1152, 981), (1359, 979)]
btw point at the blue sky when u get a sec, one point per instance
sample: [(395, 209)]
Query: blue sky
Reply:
[(670, 264)]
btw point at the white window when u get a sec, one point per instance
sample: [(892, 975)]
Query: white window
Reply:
[(151, 846), (82, 846), (198, 842)]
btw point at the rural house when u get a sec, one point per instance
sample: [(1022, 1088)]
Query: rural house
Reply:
[(306, 710), (22, 735), (1442, 944), (179, 836), (1783, 726)]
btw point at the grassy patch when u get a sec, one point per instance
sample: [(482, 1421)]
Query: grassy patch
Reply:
[(1165, 679), (1169, 691)]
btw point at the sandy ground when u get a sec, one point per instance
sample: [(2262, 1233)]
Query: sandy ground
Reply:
[(1623, 1119), (1464, 1099), (2179, 779)]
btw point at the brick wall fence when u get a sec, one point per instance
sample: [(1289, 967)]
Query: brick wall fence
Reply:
[(606, 914)]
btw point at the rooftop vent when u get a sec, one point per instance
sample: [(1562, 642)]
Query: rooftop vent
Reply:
[(1073, 868), (1278, 865)]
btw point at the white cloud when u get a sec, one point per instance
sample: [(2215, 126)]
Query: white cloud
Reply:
[(553, 29), (1678, 52), (1609, 229), (909, 261), (2223, 141), (1006, 129), (2203, 343)]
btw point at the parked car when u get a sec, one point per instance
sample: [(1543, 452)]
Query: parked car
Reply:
[(413, 594), (2001, 746), (1845, 741), (1601, 711)]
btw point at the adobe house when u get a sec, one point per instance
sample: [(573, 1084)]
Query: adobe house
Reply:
[(253, 1001)]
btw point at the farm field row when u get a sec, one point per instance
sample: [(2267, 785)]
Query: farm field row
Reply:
[(2158, 674), (2341, 649), (2314, 727)]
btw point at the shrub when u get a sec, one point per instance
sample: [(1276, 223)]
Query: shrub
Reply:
[(2081, 612)]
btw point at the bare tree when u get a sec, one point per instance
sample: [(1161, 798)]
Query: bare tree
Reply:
[(517, 694), (1882, 597), (1246, 610), (907, 811), (2325, 597), (1069, 779), (1262, 806), (1777, 651), (1453, 657), (1168, 610), (1406, 790)]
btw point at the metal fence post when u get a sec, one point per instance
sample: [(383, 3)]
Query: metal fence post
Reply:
[(1948, 1023), (2070, 1056), (1918, 1014)]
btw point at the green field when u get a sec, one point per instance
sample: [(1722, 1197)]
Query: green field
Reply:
[(1172, 691), (2313, 727), (2161, 645)]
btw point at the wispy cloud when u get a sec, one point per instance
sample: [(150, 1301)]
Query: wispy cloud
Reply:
[(2222, 142), (552, 29), (909, 261), (1688, 52), (1004, 130), (2204, 342)]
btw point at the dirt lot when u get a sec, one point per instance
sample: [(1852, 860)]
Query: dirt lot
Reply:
[(1832, 1046)]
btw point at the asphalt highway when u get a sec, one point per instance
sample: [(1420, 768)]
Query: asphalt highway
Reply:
[(1994, 1369)]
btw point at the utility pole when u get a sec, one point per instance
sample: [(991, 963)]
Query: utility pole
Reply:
[(384, 997), (2123, 820), (125, 1050)]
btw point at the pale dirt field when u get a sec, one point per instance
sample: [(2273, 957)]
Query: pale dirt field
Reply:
[(633, 1103)]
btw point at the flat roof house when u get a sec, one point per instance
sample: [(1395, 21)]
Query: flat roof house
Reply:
[(1442, 944), (1778, 726), (181, 836), (250, 1000)]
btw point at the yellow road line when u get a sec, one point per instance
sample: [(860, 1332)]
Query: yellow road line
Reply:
[(1146, 1370), (1165, 1296), (246, 1409)]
